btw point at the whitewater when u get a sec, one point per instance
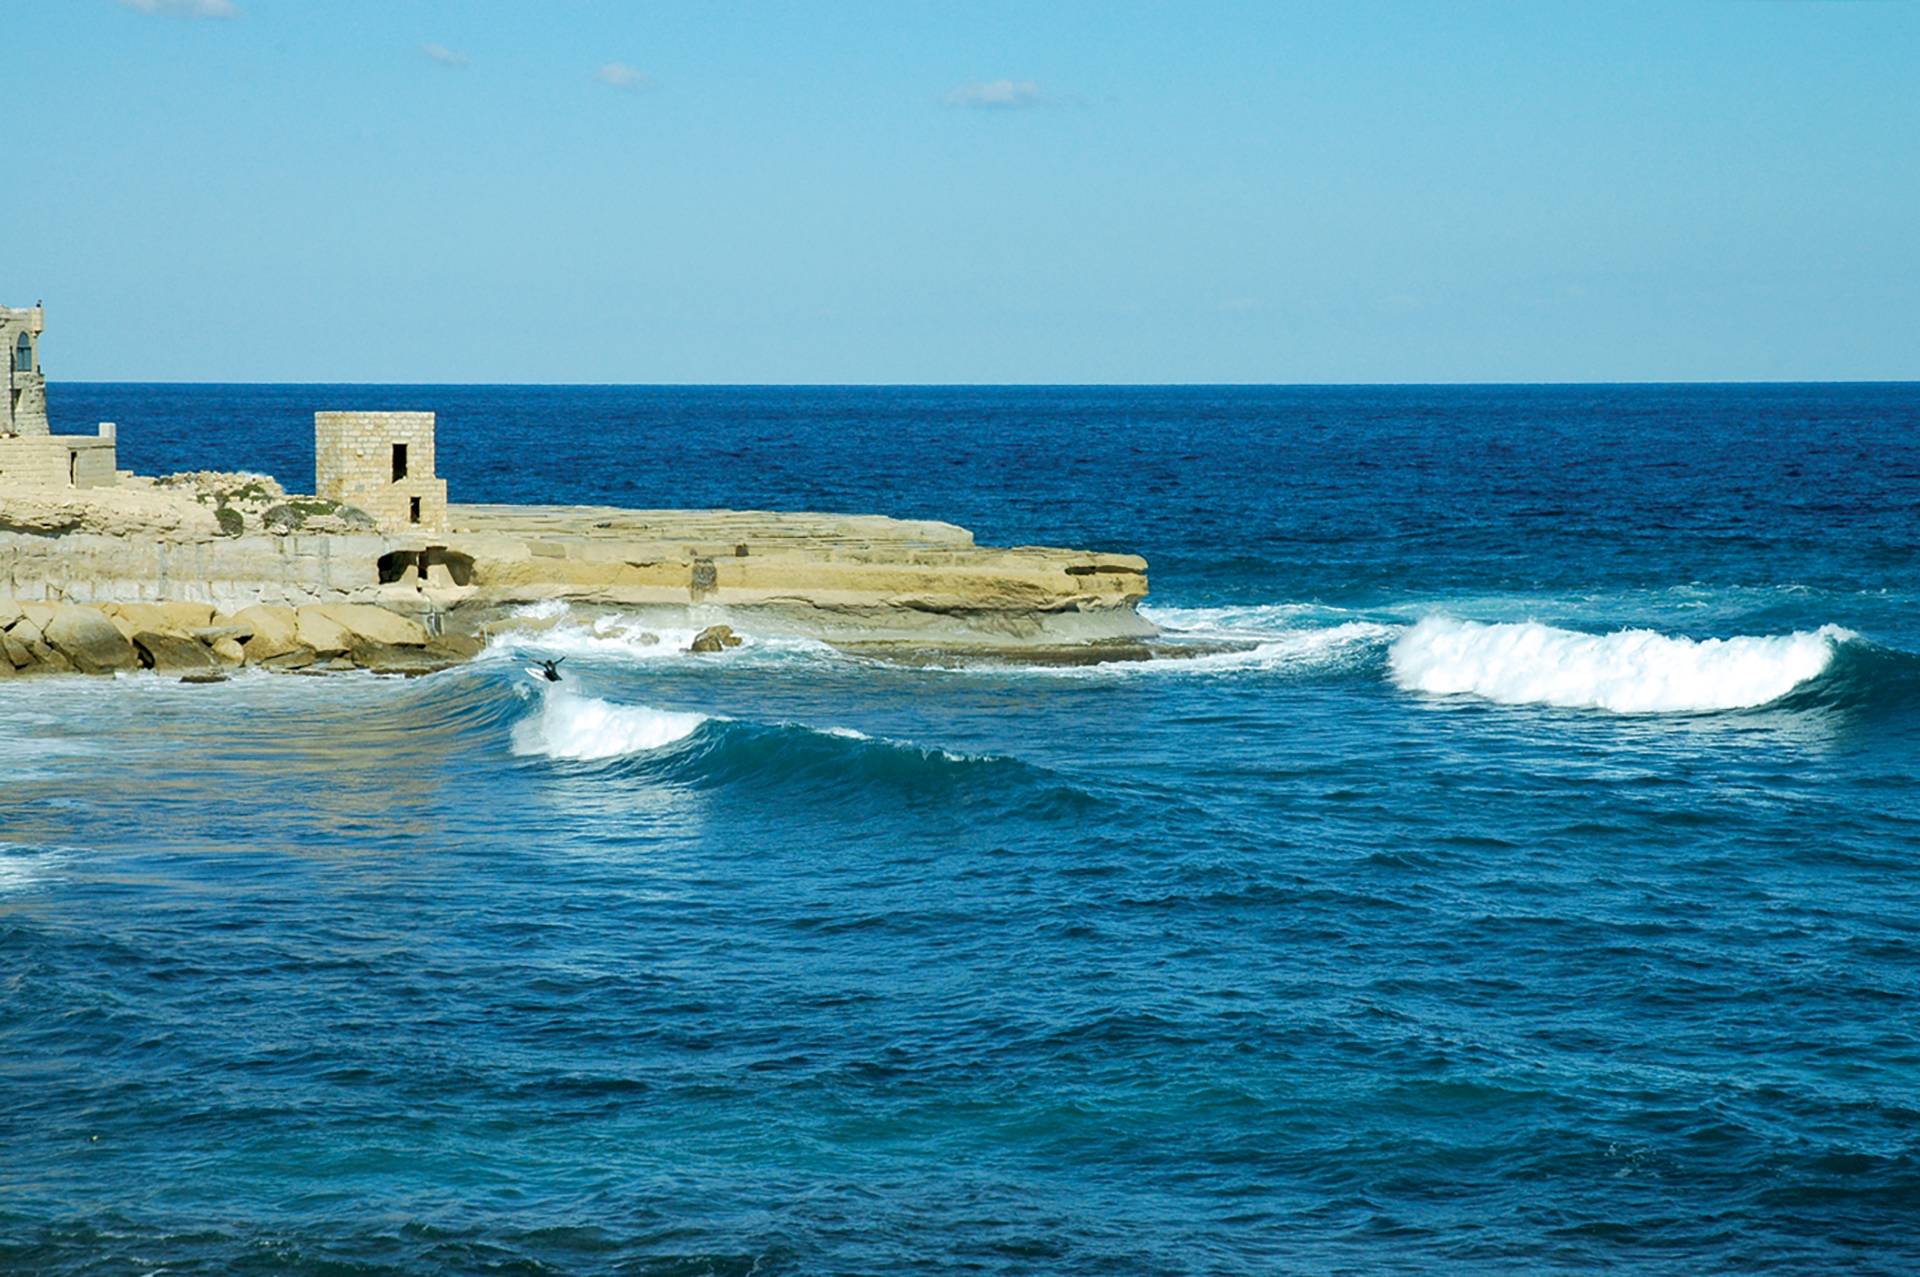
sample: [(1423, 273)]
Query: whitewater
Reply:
[(1628, 671)]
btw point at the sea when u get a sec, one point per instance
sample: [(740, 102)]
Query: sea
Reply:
[(1526, 880)]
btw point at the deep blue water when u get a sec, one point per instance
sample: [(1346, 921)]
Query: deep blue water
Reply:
[(1451, 928)]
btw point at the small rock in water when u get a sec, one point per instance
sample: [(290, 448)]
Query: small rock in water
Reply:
[(715, 638), (203, 678)]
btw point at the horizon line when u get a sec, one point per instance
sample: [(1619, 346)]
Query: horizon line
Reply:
[(1023, 385)]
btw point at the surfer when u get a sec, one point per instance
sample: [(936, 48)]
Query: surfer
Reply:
[(549, 670)]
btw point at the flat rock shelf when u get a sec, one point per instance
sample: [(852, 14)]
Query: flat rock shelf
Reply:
[(908, 589)]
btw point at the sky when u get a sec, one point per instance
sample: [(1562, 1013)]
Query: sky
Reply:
[(972, 191)]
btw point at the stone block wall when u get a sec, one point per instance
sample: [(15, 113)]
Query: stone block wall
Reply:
[(23, 399), (58, 461), (354, 462)]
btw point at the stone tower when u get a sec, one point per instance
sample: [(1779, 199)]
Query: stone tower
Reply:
[(24, 411), (30, 453), (381, 462)]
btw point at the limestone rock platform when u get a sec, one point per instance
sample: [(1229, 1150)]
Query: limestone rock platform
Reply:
[(890, 585), (835, 576)]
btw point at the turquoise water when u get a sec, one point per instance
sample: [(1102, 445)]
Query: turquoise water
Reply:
[(1536, 893)]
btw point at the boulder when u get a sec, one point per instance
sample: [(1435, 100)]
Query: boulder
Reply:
[(297, 657), (321, 632), (47, 660), (9, 613), (171, 653), (203, 678), (26, 634), (16, 653), (375, 624), (715, 638), (228, 651), (162, 618), (88, 639), (275, 630), (391, 658), (455, 647)]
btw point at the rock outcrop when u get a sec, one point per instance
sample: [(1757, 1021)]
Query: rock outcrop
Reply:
[(302, 581), (715, 638), (173, 654), (194, 640), (87, 638)]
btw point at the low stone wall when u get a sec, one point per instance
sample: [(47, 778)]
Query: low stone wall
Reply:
[(230, 572), (58, 461)]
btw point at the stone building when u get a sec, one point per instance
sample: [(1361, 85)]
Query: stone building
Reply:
[(30, 452), (381, 462)]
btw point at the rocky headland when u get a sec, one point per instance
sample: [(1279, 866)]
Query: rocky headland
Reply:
[(203, 573)]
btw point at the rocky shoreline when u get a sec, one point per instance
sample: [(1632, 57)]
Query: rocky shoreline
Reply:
[(201, 644), (204, 573)]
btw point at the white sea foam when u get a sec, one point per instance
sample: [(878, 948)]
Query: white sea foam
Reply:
[(1628, 671), (1249, 620), (544, 610), (583, 727), (1288, 649), (629, 639)]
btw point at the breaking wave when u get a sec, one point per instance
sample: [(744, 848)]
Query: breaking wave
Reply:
[(792, 761), (1627, 671), (586, 728)]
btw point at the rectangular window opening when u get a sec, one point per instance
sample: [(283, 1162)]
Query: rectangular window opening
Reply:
[(413, 510), (399, 462)]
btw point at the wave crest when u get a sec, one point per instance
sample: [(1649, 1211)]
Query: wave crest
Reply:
[(585, 728), (1628, 671)]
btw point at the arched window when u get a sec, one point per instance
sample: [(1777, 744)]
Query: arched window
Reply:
[(23, 354)]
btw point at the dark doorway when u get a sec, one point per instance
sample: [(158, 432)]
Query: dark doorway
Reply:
[(413, 510), (399, 462)]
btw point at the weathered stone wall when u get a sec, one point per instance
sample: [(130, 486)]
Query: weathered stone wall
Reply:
[(23, 400), (33, 460), (58, 461), (93, 464), (354, 463), (86, 567)]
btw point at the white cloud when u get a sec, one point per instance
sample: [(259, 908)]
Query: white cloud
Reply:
[(185, 8), (444, 56), (990, 95), (622, 76)]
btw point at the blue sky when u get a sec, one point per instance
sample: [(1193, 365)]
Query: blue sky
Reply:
[(364, 190)]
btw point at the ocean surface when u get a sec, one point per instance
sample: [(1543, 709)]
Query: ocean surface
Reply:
[(1537, 892)]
